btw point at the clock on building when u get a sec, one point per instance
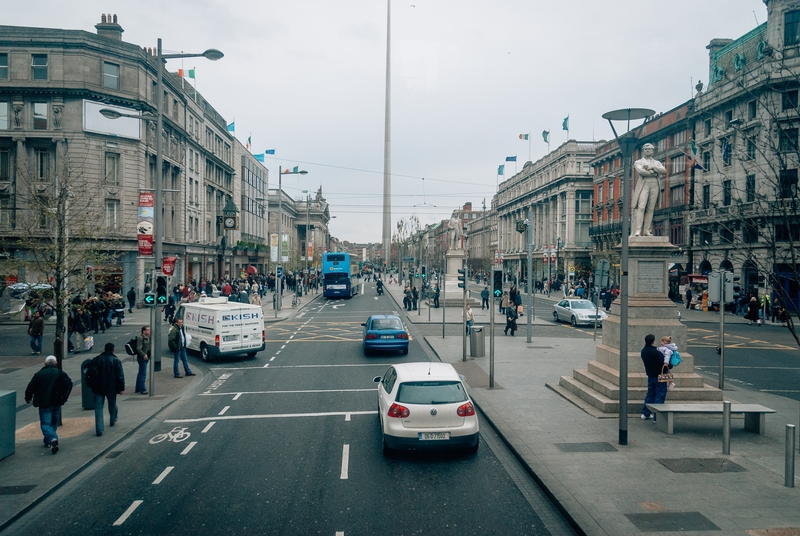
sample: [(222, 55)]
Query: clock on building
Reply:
[(230, 222)]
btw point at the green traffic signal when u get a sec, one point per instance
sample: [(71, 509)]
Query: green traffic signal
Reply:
[(150, 299), (497, 293)]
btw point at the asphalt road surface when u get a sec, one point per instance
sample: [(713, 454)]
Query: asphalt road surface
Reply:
[(288, 443)]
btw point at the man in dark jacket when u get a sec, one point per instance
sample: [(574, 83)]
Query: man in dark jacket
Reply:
[(485, 298), (142, 357), (176, 340), (653, 363), (131, 299), (49, 389), (36, 331), (109, 382)]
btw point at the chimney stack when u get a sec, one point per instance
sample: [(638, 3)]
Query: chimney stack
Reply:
[(109, 29)]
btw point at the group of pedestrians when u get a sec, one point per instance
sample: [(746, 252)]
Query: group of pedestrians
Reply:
[(410, 298)]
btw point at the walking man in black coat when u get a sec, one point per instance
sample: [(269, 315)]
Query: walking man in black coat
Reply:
[(107, 381), (49, 389)]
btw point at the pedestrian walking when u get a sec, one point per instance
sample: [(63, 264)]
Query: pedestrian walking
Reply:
[(504, 302), (83, 325), (470, 317), (106, 380), (752, 311), (688, 297), (49, 389), (131, 299), (36, 332), (485, 298), (142, 357), (518, 303), (653, 365), (414, 297), (436, 297), (511, 320), (178, 340)]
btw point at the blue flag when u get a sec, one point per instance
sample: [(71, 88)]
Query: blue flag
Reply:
[(511, 159), (232, 127), (500, 169), (269, 151), (259, 157), (546, 136), (565, 124)]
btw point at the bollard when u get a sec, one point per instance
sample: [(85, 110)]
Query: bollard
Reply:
[(788, 479), (726, 427)]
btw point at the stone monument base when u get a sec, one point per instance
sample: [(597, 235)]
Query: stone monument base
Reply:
[(454, 295)]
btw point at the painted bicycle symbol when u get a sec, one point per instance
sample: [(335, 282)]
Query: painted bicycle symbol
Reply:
[(176, 435)]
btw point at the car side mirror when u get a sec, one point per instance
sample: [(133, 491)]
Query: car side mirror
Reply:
[(376, 379), (463, 378), (363, 324)]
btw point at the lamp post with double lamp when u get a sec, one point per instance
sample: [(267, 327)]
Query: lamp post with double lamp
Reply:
[(279, 268), (627, 144), (213, 55)]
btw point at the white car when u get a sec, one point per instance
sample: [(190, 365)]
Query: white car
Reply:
[(425, 406), (578, 311)]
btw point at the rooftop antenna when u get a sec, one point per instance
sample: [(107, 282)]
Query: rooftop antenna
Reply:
[(755, 17), (424, 204)]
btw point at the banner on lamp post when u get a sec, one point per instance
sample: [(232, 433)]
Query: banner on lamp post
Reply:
[(168, 265), (273, 247), (145, 226), (145, 245), (285, 248)]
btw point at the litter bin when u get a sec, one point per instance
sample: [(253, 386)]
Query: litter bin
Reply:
[(87, 395), (477, 342)]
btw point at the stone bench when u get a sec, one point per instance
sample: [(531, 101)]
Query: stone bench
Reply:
[(754, 414)]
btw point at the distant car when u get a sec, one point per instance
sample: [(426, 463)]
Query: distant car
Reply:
[(385, 333), (425, 406), (577, 311)]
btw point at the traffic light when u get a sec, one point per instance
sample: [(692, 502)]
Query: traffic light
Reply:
[(423, 272), (497, 283), (462, 278), (161, 290), (89, 274), (416, 275), (149, 299)]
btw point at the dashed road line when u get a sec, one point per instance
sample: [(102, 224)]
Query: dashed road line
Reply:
[(189, 447), (299, 391), (345, 461), (226, 408), (208, 427), (274, 416), (127, 513), (163, 475), (237, 396)]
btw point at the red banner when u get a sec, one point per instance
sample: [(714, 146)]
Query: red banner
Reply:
[(168, 266), (145, 245), (147, 199)]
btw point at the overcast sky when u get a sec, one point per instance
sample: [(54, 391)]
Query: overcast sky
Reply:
[(307, 78)]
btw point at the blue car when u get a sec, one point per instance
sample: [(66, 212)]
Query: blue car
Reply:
[(385, 333)]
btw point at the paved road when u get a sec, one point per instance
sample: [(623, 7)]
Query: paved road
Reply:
[(288, 443)]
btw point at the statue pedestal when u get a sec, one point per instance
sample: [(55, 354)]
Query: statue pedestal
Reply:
[(453, 296), (596, 388)]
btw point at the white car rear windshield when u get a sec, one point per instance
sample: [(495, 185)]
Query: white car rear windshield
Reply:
[(441, 392)]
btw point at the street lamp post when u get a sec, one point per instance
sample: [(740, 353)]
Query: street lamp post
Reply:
[(279, 280), (213, 55), (626, 143)]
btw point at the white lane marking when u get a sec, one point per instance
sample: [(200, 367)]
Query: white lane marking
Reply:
[(347, 418), (299, 391), (282, 347), (237, 396), (127, 513), (363, 288), (275, 416), (278, 352), (339, 533), (382, 365), (218, 382), (208, 427), (345, 461), (271, 359), (163, 475), (266, 365), (290, 338), (188, 448), (226, 408)]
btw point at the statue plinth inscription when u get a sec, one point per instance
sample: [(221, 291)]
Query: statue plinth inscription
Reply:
[(650, 277)]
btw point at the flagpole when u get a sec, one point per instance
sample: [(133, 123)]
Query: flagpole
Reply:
[(529, 146)]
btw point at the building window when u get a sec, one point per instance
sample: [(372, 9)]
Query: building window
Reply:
[(110, 75), (789, 100), (677, 196), (750, 188), (784, 232), (4, 66), (600, 193), (661, 145), (39, 67), (676, 233), (175, 109), (706, 196), (679, 138), (750, 232), (112, 213), (40, 116), (42, 214), (788, 183), (5, 211), (706, 162), (705, 238), (791, 28), (707, 127), (112, 169), (611, 190), (41, 159), (5, 165), (3, 115), (726, 193), (751, 149), (725, 236), (678, 163), (728, 118), (752, 108), (787, 140)]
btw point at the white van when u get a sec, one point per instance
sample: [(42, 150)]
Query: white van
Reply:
[(219, 327)]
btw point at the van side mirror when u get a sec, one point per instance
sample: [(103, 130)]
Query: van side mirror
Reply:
[(376, 379)]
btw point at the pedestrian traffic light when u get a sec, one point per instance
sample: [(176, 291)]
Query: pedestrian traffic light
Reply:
[(416, 275), (161, 290), (150, 299), (89, 272), (423, 272), (497, 283), (462, 278)]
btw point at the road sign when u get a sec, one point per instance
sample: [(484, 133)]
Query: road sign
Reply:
[(280, 271), (408, 259)]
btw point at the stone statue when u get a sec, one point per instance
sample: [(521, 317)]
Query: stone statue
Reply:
[(57, 116), (18, 115), (645, 194), (454, 226)]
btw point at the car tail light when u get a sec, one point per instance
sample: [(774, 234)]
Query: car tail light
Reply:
[(371, 336), (263, 336), (467, 410), (402, 336), (216, 341), (399, 412)]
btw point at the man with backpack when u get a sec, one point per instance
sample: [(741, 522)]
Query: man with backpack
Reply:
[(104, 376), (142, 352), (49, 389)]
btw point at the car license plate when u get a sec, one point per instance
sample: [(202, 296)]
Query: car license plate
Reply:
[(387, 336), (434, 436), (229, 338)]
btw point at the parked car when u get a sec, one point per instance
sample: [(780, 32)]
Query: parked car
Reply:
[(578, 311), (425, 406), (385, 333)]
